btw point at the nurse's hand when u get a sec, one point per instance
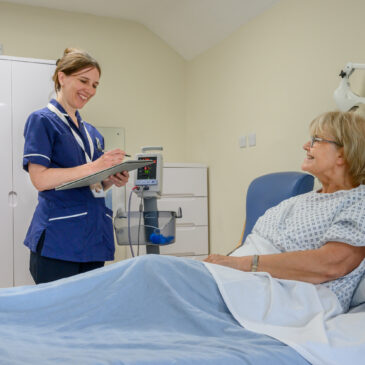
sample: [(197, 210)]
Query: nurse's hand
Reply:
[(108, 159), (119, 179)]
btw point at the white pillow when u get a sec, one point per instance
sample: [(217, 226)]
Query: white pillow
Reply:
[(359, 295)]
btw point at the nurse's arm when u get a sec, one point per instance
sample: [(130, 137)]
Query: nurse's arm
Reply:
[(44, 178), (332, 261)]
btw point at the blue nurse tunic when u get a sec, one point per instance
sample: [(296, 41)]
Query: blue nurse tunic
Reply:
[(78, 227)]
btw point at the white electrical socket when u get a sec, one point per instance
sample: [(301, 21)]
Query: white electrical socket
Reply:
[(242, 141)]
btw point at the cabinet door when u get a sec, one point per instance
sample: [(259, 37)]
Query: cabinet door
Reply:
[(6, 210), (32, 88)]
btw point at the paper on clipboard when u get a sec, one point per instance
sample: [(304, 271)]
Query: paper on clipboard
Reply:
[(104, 174)]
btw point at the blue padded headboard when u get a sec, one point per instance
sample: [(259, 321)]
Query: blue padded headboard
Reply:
[(269, 190)]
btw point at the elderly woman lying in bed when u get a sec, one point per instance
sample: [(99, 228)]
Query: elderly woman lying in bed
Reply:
[(320, 236)]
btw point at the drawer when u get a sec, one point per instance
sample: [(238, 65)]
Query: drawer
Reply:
[(142, 251), (190, 241), (180, 181), (194, 210)]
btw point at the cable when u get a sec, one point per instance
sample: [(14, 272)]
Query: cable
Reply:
[(139, 221), (129, 220)]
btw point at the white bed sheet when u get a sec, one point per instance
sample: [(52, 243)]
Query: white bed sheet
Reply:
[(304, 316)]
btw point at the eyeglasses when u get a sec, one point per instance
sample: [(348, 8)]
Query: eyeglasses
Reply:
[(318, 139)]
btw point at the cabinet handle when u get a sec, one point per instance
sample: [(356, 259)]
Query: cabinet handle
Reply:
[(13, 199)]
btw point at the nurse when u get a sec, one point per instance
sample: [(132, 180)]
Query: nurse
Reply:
[(71, 231)]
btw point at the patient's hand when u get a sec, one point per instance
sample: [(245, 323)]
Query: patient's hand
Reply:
[(238, 263)]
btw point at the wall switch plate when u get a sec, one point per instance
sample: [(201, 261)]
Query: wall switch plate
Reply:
[(242, 142), (252, 139)]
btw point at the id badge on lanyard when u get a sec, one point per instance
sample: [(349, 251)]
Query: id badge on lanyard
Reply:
[(96, 189)]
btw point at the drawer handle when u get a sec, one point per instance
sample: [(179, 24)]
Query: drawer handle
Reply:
[(182, 254), (179, 213), (188, 195), (185, 225)]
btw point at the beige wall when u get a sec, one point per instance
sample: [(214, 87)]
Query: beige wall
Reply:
[(272, 77), (143, 80)]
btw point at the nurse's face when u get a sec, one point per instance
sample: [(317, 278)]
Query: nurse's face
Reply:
[(77, 89)]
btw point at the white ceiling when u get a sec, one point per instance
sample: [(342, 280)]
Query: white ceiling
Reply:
[(188, 26)]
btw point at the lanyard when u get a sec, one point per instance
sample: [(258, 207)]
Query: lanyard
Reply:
[(62, 116)]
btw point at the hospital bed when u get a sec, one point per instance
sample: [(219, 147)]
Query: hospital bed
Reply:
[(149, 310)]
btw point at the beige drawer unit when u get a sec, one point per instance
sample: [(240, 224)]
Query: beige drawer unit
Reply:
[(185, 185)]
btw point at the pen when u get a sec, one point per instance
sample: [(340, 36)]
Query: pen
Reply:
[(127, 155)]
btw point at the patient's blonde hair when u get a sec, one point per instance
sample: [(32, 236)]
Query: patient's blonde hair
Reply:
[(348, 130)]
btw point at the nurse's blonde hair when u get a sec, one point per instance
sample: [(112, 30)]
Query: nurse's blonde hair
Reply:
[(72, 61), (348, 130)]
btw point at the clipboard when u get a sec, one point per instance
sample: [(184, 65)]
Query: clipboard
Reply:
[(104, 174)]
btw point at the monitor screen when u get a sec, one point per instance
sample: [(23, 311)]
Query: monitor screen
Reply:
[(148, 174)]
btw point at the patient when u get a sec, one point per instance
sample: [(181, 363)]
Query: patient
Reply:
[(320, 236)]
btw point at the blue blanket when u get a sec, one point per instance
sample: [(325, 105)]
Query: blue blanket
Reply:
[(149, 310)]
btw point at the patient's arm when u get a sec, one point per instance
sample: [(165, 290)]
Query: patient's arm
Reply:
[(331, 261)]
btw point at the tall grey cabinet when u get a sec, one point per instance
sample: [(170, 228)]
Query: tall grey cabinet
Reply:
[(25, 85)]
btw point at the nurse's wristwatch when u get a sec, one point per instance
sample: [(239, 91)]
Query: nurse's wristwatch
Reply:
[(255, 263)]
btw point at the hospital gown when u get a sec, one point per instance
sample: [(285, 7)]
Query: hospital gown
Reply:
[(308, 221)]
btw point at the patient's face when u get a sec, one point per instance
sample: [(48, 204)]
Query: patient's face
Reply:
[(322, 159)]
